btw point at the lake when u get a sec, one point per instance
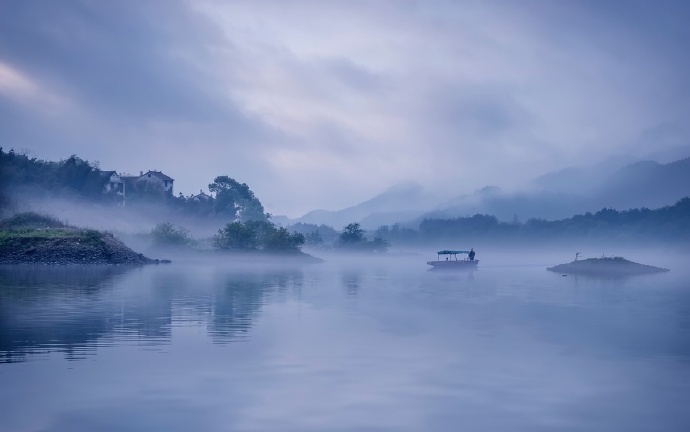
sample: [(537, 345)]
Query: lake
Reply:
[(365, 344)]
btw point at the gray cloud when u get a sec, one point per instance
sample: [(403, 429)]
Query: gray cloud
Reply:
[(338, 100)]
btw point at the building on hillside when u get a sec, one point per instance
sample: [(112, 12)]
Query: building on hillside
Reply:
[(201, 196), (115, 183), (155, 180)]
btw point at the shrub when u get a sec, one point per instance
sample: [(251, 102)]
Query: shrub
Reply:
[(167, 235)]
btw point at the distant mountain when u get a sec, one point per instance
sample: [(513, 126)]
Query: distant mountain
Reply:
[(645, 184), (669, 155), (619, 182), (581, 179), (400, 202), (507, 206)]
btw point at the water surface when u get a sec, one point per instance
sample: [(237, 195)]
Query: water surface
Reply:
[(359, 344)]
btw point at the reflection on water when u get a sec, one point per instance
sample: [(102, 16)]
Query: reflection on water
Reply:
[(238, 298), (379, 346), (45, 308), (74, 309)]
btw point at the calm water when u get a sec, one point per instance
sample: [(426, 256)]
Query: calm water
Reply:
[(370, 345)]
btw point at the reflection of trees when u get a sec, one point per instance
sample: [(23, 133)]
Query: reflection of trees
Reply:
[(238, 298), (148, 314), (53, 309), (73, 310), (352, 280)]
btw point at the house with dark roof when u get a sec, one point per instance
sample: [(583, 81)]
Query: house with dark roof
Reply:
[(155, 180), (202, 196)]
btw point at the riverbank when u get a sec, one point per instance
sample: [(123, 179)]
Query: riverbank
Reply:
[(65, 246), (29, 238)]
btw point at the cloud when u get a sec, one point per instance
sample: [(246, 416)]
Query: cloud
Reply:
[(324, 104)]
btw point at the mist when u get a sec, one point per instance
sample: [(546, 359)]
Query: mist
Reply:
[(391, 215)]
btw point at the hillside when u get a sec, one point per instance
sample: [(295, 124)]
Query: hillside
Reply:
[(401, 202), (35, 239), (645, 184)]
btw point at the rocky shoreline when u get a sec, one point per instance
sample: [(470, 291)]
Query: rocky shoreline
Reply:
[(63, 246), (616, 266)]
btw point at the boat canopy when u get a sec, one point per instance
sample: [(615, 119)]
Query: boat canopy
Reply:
[(452, 252)]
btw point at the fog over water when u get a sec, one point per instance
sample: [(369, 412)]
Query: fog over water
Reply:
[(299, 163), (354, 343)]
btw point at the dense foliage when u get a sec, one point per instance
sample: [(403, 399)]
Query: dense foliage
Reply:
[(71, 176), (257, 235), (235, 200), (353, 238), (671, 223), (77, 178), (168, 235), (315, 235)]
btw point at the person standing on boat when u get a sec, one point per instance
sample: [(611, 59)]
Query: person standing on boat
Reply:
[(472, 254)]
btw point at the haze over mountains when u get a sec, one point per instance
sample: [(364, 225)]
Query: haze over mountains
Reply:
[(620, 182)]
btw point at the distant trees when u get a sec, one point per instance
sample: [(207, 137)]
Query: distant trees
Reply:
[(316, 235), (314, 239), (670, 223), (257, 235), (353, 234), (353, 238), (168, 235)]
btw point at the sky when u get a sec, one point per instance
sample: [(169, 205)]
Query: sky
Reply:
[(324, 104)]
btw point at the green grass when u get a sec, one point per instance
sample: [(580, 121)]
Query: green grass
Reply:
[(31, 220), (92, 237)]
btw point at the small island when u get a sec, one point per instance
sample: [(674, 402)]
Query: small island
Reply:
[(614, 266), (30, 238)]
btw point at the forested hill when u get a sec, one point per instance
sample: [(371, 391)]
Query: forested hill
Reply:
[(670, 224), (24, 178), (71, 176)]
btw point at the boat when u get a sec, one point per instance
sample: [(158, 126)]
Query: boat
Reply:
[(452, 260)]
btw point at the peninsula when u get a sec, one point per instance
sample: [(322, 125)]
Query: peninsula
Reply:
[(29, 238)]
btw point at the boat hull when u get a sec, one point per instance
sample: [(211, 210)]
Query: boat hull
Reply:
[(454, 264)]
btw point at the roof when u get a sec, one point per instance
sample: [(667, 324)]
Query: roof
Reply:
[(202, 194), (158, 174), (108, 173), (452, 252)]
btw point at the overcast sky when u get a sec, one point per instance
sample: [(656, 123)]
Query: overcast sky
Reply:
[(323, 104)]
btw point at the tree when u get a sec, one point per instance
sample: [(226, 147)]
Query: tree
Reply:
[(380, 244), (352, 234), (258, 235), (314, 238), (236, 235), (166, 234), (235, 200), (282, 240)]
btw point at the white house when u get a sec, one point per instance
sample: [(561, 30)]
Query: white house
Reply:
[(155, 180), (115, 182)]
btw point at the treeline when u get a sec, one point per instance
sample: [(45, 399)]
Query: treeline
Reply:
[(671, 223), (248, 236), (352, 238), (77, 178), (69, 176)]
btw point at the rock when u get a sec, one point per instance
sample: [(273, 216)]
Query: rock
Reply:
[(616, 266)]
